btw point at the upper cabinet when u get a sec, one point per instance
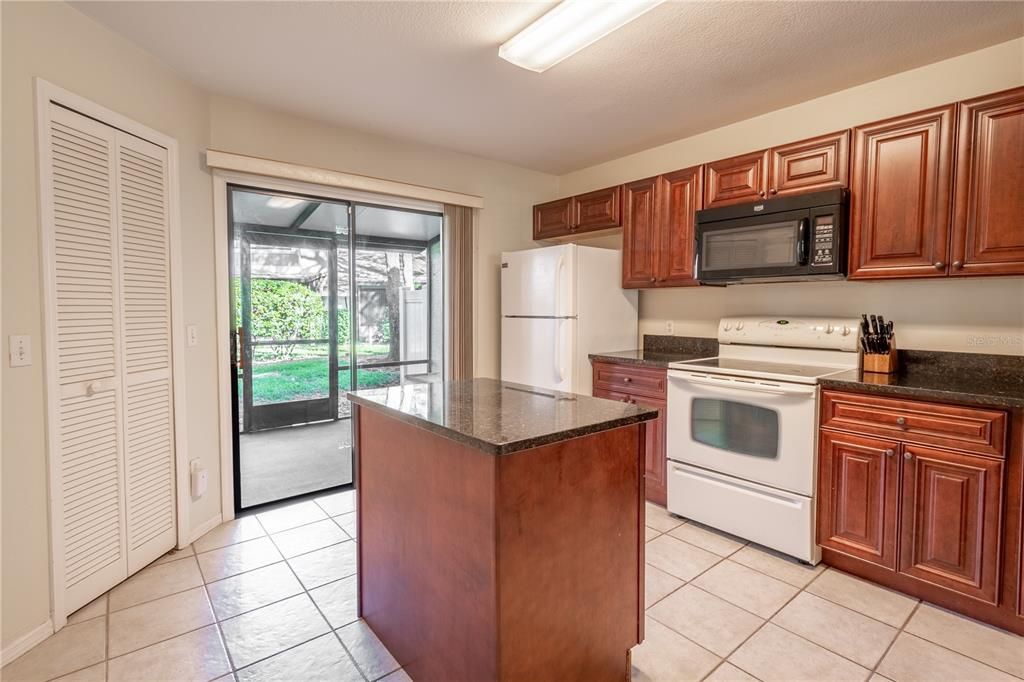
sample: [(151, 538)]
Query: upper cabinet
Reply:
[(900, 196), (810, 165), (736, 180), (590, 212), (988, 235), (657, 238), (806, 166)]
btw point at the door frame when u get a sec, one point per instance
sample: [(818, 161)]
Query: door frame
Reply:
[(221, 180), (46, 92)]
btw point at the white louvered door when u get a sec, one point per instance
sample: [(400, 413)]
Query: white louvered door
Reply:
[(108, 354), (146, 344)]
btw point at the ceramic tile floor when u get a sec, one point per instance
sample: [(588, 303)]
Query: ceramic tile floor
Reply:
[(273, 597)]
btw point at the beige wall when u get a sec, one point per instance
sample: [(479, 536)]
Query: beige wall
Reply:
[(959, 315), (57, 43)]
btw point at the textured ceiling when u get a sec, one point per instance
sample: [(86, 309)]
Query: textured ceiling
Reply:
[(429, 71)]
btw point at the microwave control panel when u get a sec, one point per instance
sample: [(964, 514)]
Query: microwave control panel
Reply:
[(824, 241)]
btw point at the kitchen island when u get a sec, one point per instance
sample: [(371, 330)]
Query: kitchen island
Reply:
[(500, 529)]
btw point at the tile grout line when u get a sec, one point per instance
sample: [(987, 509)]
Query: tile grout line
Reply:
[(331, 629)]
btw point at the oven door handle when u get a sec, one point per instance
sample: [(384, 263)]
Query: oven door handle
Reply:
[(743, 386)]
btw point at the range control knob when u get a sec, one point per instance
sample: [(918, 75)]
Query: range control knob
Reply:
[(829, 329), (727, 326), (846, 330), (739, 326)]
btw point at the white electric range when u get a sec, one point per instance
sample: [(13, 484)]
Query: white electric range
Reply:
[(742, 428)]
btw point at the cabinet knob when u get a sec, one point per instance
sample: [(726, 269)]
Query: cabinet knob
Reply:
[(761, 194), (902, 421), (939, 265), (908, 455), (654, 279), (774, 191), (890, 452), (93, 387), (627, 379), (957, 264)]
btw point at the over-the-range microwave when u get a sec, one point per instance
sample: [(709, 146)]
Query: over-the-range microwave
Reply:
[(787, 239)]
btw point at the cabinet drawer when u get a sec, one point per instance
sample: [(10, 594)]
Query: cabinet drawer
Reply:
[(962, 428), (636, 382)]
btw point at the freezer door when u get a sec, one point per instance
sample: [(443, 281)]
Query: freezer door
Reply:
[(538, 352), (539, 282)]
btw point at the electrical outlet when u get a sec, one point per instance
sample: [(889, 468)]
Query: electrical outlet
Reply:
[(670, 327), (192, 334), (20, 348)]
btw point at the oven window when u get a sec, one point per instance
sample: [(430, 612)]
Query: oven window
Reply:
[(736, 427), (744, 248)]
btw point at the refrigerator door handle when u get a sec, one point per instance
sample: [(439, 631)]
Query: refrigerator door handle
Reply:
[(558, 350), (558, 285)]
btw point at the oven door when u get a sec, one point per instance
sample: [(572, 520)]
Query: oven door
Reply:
[(754, 429), (776, 245)]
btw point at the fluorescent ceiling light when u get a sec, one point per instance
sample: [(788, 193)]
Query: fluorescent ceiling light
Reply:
[(283, 202), (569, 28)]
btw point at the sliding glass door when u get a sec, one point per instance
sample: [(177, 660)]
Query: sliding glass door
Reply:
[(326, 296)]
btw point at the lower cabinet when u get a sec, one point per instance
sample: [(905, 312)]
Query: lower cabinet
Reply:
[(617, 382), (952, 519), (935, 521), (857, 496)]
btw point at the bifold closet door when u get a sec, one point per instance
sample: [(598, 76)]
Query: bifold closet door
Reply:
[(87, 484), (111, 420), (146, 343)]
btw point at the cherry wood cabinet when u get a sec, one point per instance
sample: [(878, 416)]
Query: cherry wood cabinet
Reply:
[(590, 212), (988, 233), (553, 219), (926, 498), (952, 518), (858, 488), (658, 230), (810, 165), (640, 234), (736, 180), (901, 199), (644, 386)]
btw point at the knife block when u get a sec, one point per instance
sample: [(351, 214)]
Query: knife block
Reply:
[(882, 363)]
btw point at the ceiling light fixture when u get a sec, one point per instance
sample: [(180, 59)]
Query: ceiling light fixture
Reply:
[(283, 202), (568, 28)]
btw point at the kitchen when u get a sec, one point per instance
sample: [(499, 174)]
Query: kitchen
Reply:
[(732, 371)]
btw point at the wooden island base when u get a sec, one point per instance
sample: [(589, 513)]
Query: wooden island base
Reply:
[(521, 566)]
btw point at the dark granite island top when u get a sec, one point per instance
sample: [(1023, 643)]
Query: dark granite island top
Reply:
[(501, 417)]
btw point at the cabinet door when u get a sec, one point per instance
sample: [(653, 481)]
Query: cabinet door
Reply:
[(655, 464), (811, 165), (553, 219), (857, 496), (901, 204), (988, 237), (599, 210), (640, 234), (735, 180), (952, 518), (680, 200)]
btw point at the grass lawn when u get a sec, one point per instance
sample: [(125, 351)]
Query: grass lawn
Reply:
[(305, 378)]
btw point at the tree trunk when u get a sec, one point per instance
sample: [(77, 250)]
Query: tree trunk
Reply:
[(391, 296)]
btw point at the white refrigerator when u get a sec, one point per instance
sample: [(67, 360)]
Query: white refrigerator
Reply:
[(558, 305)]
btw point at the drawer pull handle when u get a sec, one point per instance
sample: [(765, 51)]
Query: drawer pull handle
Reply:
[(902, 421), (890, 452)]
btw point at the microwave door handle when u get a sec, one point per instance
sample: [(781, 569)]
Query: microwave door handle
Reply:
[(802, 234)]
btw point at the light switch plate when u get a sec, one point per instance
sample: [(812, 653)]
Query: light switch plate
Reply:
[(669, 326), (192, 334), (20, 347)]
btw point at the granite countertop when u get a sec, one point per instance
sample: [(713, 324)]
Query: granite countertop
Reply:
[(659, 351), (975, 378), (499, 417)]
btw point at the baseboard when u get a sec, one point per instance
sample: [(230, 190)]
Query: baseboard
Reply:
[(205, 528), (26, 641)]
